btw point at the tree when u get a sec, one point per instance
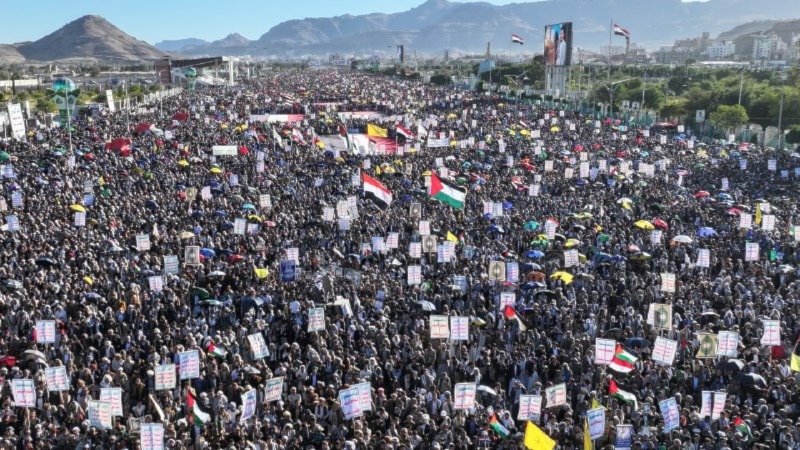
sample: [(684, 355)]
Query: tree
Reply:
[(673, 109), (729, 116), (793, 136)]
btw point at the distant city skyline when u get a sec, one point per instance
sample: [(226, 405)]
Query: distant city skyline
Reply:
[(156, 21)]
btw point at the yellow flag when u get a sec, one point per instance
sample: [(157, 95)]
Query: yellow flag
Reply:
[(451, 237), (795, 361), (596, 404), (758, 213), (374, 130), (536, 439), (261, 273), (587, 439)]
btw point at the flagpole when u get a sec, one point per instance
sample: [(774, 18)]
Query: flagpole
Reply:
[(610, 32)]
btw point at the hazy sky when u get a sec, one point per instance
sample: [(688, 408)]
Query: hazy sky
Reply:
[(154, 21)]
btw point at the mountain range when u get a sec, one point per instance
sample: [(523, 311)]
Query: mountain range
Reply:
[(467, 27), (430, 28)]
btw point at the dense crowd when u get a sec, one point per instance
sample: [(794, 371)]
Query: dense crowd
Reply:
[(120, 315)]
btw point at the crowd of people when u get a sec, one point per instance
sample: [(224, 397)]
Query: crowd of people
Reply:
[(163, 252)]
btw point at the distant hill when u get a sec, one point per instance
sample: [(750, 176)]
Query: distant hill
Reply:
[(89, 37), (440, 24), (434, 26), (178, 44), (746, 28)]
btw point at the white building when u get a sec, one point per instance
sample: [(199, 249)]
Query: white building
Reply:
[(721, 50), (768, 46)]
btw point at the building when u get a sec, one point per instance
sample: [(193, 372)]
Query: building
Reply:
[(683, 50), (769, 46), (719, 51)]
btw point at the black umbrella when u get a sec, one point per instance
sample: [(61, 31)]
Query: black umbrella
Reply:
[(734, 365), (637, 342), (613, 333), (751, 379), (45, 261), (426, 305)]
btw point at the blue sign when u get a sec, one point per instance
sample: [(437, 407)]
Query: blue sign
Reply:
[(288, 270)]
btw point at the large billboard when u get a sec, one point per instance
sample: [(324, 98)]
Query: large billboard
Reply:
[(558, 44)]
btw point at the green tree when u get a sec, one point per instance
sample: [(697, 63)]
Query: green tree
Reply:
[(673, 109), (793, 136), (729, 116)]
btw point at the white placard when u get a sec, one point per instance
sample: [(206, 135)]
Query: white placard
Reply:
[(273, 389), (604, 350), (555, 395), (664, 351), (464, 397), (772, 332), (728, 343), (113, 395), (151, 436), (24, 392), (751, 251), (459, 328), (350, 402), (745, 220), (100, 414), (414, 275), (668, 282), (56, 378), (768, 222), (258, 346), (156, 283), (571, 258), (189, 364), (364, 396), (316, 319), (440, 327), (249, 400), (166, 378), (142, 242), (45, 331), (704, 258), (655, 237)]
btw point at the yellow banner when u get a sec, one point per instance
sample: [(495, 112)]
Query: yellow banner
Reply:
[(374, 130)]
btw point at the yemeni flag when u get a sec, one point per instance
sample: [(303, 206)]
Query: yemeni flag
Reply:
[(623, 361), (510, 314), (404, 132), (447, 193), (377, 192), (625, 396), (214, 350), (498, 427), (619, 31), (517, 39), (742, 427)]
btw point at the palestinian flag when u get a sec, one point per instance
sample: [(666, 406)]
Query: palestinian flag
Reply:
[(625, 396), (623, 362), (619, 31), (404, 132), (197, 415), (742, 427), (498, 427), (447, 193), (377, 192), (510, 314), (213, 350), (517, 39)]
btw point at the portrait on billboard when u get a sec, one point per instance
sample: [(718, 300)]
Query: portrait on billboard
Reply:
[(558, 44)]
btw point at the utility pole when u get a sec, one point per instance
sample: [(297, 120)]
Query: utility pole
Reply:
[(741, 86)]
